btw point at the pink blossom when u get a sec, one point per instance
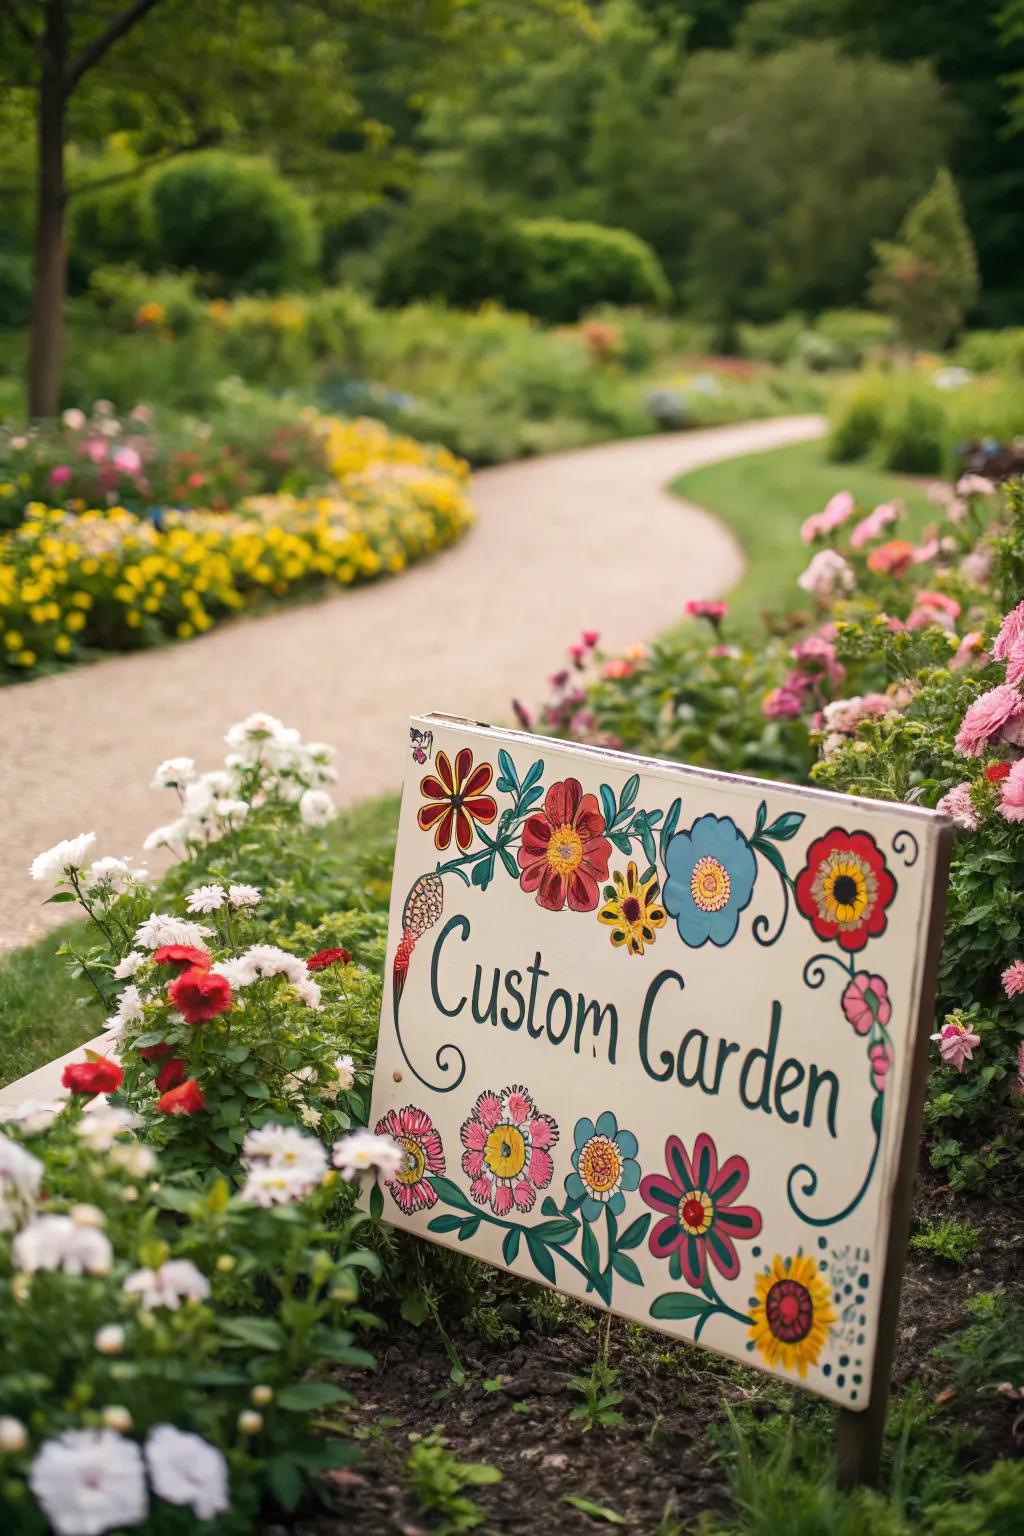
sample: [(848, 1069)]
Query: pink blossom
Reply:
[(865, 1000), (581, 723), (934, 608), (141, 413), (1011, 802), (60, 475), (976, 565), (958, 804), (559, 679), (720, 652), (96, 450), (846, 714), (827, 574), (578, 654), (833, 515), (128, 460), (880, 1056), (938, 493), (815, 650), (1013, 980), (956, 1043), (1010, 639), (616, 668), (590, 637), (957, 510), (701, 608), (782, 704), (925, 552), (969, 649), (997, 715), (813, 527), (74, 419), (974, 485), (874, 525)]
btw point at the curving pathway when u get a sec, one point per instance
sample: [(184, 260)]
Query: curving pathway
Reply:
[(589, 539)]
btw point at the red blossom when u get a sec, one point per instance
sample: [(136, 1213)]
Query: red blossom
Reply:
[(200, 995), (325, 957), (171, 1074), (154, 1052), (186, 1099), (89, 1077), (183, 955), (997, 772)]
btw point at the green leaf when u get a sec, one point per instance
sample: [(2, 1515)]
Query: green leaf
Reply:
[(623, 1265), (603, 1286), (621, 842), (259, 1332), (254, 1089), (508, 770), (647, 840), (671, 822), (634, 1233), (445, 1223), (630, 791), (676, 1306), (549, 1206), (415, 1310), (376, 1202), (607, 805), (59, 896), (542, 1260), (483, 872), (771, 853), (785, 826), (285, 1481), (308, 1396), (533, 775), (762, 817), (595, 1511), (510, 1247), (450, 1193), (509, 862), (469, 1228), (591, 1252), (559, 1230)]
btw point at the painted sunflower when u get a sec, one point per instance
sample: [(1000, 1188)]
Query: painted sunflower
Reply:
[(845, 888), (456, 801), (632, 909), (791, 1313)]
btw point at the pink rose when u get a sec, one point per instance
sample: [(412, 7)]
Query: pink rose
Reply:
[(866, 1002), (60, 475), (782, 704), (968, 649)]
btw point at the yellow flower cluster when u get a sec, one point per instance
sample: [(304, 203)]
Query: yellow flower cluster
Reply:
[(73, 583)]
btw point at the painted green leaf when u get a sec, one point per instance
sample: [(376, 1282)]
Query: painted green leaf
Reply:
[(508, 768), (533, 774), (671, 822), (543, 1263), (630, 791), (591, 1252), (444, 1223), (607, 804), (676, 1306), (468, 1228), (634, 1233), (785, 827), (623, 1265), (558, 1230), (450, 1193), (510, 1247)]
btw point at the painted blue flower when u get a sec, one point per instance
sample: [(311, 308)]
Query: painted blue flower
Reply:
[(604, 1166), (711, 874)]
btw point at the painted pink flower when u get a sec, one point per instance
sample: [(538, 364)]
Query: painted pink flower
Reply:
[(827, 574), (508, 1150), (414, 1131), (1013, 979), (563, 854), (1011, 794), (60, 475), (874, 525), (969, 649), (866, 1001), (700, 1221), (958, 804), (956, 1044), (997, 716), (881, 1058)]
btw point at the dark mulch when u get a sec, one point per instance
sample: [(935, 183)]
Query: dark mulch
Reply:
[(664, 1457)]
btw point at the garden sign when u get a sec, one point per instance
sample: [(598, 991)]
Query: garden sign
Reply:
[(657, 1035)]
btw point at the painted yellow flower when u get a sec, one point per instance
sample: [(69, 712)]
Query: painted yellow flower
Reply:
[(632, 909), (792, 1313)]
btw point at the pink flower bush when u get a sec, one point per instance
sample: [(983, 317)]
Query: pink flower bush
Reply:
[(508, 1150), (958, 804), (934, 608), (827, 575), (782, 703), (1011, 801), (819, 653), (997, 716), (880, 1057), (969, 649), (866, 1002), (956, 1044), (974, 485), (1013, 979), (1009, 644), (832, 516), (874, 525)]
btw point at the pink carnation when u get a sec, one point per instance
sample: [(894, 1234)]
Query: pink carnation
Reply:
[(956, 1044), (865, 1000), (958, 804), (1011, 802), (815, 650), (1013, 980), (997, 715), (874, 525)]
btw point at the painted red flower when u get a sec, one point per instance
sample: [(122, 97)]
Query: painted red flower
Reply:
[(183, 955), (845, 887), (325, 957), (414, 1131), (456, 801), (171, 1074), (200, 995), (186, 1099), (89, 1077), (700, 1220), (564, 854)]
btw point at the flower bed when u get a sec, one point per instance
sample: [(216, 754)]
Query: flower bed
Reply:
[(75, 580), (900, 675)]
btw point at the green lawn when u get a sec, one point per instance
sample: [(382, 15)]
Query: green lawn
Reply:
[(765, 497)]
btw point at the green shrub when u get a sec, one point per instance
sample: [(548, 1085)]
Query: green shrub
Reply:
[(913, 436), (113, 227), (15, 288), (462, 253), (987, 351), (855, 422), (927, 278), (238, 221), (773, 342), (571, 267), (130, 300), (856, 333)]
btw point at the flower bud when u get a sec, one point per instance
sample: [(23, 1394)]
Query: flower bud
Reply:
[(226, 1263), (13, 1435), (109, 1339), (250, 1422), (116, 1416), (87, 1216), (129, 1194), (261, 1395)]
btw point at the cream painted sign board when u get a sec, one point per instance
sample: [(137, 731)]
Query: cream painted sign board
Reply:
[(648, 1035)]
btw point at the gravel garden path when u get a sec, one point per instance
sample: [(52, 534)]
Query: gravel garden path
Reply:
[(590, 539)]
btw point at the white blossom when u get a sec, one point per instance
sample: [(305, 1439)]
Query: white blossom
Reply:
[(257, 727), (309, 991), (56, 1242), (237, 973), (206, 898), (136, 1160), (174, 1282), (174, 773), (179, 831), (264, 960), (229, 811), (109, 1340), (102, 1123), (345, 1067), (116, 1416), (89, 1481), (62, 858), (130, 965), (244, 895), (283, 1146), (73, 418), (33, 1116), (185, 1469), (365, 1152), (273, 1184), (316, 808), (13, 1435), (827, 574), (21, 1175), (160, 928)]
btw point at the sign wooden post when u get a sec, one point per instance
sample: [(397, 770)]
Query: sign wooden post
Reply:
[(658, 1037)]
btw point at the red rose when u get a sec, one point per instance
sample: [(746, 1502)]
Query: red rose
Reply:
[(186, 1099), (154, 1052), (92, 1077), (199, 995), (171, 1074), (997, 772), (183, 955), (325, 957)]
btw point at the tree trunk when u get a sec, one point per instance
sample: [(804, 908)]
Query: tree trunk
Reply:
[(47, 345)]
